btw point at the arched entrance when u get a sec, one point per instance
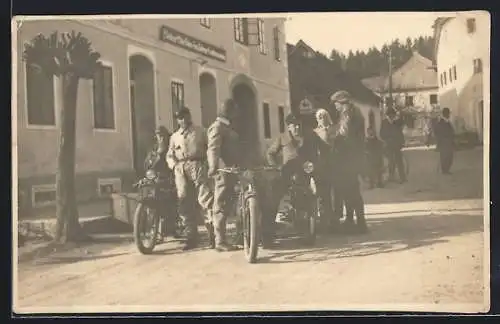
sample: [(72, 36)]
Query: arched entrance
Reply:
[(208, 99), (247, 125), (142, 106)]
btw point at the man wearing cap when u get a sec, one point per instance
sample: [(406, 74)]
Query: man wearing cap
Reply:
[(156, 160), (391, 132), (224, 150), (349, 159), (295, 147), (186, 156)]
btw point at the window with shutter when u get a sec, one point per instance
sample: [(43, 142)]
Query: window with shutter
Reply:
[(267, 120), (241, 30), (103, 100), (276, 36), (40, 97)]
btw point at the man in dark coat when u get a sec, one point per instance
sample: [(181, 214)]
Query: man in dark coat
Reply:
[(349, 159), (445, 139), (156, 160), (290, 151), (391, 132)]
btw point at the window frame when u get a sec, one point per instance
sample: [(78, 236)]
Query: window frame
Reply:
[(43, 188), (276, 43), (433, 95), (106, 64), (55, 88), (281, 119), (206, 22), (243, 23), (266, 116), (115, 182), (261, 29), (477, 65), (177, 82), (471, 25), (407, 97)]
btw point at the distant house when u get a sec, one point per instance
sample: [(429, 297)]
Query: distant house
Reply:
[(462, 54), (414, 84), (314, 78)]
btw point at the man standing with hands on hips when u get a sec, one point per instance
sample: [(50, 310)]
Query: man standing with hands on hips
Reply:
[(223, 151)]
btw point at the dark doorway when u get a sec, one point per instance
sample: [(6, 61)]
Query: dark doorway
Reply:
[(208, 99), (142, 104), (247, 122)]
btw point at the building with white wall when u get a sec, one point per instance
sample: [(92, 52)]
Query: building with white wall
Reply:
[(462, 64), (414, 84), (151, 67)]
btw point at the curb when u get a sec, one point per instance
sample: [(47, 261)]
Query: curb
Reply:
[(45, 228)]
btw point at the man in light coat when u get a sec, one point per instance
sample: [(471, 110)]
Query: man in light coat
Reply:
[(224, 150), (186, 156)]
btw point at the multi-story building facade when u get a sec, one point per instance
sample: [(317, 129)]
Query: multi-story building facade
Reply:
[(462, 64), (151, 67)]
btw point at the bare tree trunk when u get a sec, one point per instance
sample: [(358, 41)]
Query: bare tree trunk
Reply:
[(68, 227)]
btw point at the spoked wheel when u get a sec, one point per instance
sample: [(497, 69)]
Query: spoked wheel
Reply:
[(250, 229), (146, 226)]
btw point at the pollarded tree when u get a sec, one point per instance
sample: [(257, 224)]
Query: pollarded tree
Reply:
[(69, 57)]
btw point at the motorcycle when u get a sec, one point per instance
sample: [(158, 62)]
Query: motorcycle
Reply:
[(149, 226), (304, 210), (249, 208)]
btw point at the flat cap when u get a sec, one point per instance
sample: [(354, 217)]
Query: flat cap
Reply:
[(182, 113), (341, 96), (292, 119)]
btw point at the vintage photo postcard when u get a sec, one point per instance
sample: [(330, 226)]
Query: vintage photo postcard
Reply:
[(251, 162)]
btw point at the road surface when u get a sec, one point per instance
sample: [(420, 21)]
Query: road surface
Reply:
[(421, 254)]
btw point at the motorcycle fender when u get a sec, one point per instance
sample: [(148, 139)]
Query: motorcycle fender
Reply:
[(312, 185)]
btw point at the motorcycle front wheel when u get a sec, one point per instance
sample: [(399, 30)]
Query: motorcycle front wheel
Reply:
[(250, 229), (146, 226)]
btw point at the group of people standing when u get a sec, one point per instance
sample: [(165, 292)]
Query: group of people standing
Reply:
[(336, 147), (191, 157)]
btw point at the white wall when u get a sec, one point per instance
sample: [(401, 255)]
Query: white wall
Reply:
[(458, 47)]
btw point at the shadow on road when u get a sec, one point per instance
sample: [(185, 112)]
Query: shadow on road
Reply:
[(387, 235), (425, 182)]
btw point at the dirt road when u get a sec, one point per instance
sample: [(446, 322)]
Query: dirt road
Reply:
[(423, 255)]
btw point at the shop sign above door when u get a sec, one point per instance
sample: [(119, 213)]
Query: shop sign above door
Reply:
[(172, 36)]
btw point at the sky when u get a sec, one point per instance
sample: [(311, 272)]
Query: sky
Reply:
[(346, 31)]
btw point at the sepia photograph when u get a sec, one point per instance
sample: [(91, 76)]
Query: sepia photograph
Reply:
[(322, 161)]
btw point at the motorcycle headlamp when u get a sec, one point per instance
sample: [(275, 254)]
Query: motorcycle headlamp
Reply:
[(308, 167), (150, 174)]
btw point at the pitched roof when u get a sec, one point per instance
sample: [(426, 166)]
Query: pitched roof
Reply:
[(417, 73), (318, 77)]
